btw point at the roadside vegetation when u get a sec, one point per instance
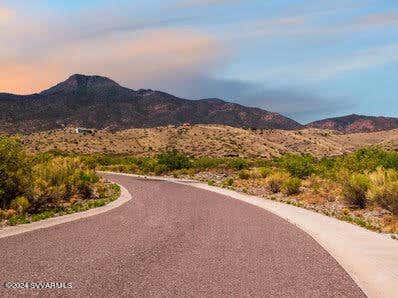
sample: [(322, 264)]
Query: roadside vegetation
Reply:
[(360, 187), (35, 187)]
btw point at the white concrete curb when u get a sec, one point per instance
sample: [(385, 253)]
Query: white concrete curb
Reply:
[(370, 258), (125, 196)]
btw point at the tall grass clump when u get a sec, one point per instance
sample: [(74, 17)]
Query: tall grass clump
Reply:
[(291, 186), (384, 189), (276, 180), (355, 188)]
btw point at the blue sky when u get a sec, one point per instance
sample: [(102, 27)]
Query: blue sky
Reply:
[(305, 59)]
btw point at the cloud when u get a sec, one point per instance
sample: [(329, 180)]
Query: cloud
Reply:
[(162, 51), (5, 14), (339, 64), (297, 103), (185, 3), (364, 59), (311, 25), (135, 59), (377, 20)]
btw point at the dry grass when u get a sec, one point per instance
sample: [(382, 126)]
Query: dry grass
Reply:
[(210, 140)]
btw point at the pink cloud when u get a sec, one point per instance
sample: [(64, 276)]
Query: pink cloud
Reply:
[(137, 60), (379, 19), (5, 14)]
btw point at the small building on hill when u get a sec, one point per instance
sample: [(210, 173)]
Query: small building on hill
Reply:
[(84, 131)]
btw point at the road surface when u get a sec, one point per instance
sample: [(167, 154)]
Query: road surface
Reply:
[(174, 240)]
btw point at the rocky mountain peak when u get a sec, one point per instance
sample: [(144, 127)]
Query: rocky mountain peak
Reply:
[(79, 82)]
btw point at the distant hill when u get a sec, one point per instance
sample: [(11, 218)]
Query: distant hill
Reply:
[(356, 123), (210, 140), (99, 102)]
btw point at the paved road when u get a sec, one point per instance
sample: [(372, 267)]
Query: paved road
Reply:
[(173, 240)]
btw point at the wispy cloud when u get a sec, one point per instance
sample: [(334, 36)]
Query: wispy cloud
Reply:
[(310, 25), (364, 59), (389, 18), (186, 3), (338, 65)]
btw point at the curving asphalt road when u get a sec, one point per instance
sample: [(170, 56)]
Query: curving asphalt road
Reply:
[(174, 240)]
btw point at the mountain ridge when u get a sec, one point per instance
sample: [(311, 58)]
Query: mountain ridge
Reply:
[(355, 123), (99, 102)]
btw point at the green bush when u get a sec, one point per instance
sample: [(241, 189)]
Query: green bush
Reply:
[(173, 160), (300, 166), (149, 165), (384, 189), (238, 164), (15, 171), (291, 186), (354, 189), (276, 180), (369, 159), (204, 163), (20, 204)]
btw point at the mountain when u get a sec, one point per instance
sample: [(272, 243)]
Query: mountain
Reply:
[(99, 102), (356, 123)]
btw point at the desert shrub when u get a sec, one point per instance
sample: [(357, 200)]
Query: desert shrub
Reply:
[(369, 159), (291, 186), (300, 166), (354, 189), (58, 180), (205, 162), (173, 160), (238, 164), (15, 170), (20, 204), (264, 171), (244, 175), (384, 189), (149, 165), (276, 180), (326, 167)]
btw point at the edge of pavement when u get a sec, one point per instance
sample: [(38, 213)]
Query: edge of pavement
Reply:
[(8, 231)]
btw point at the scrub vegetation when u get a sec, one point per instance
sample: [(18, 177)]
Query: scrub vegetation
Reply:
[(35, 187), (359, 187)]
